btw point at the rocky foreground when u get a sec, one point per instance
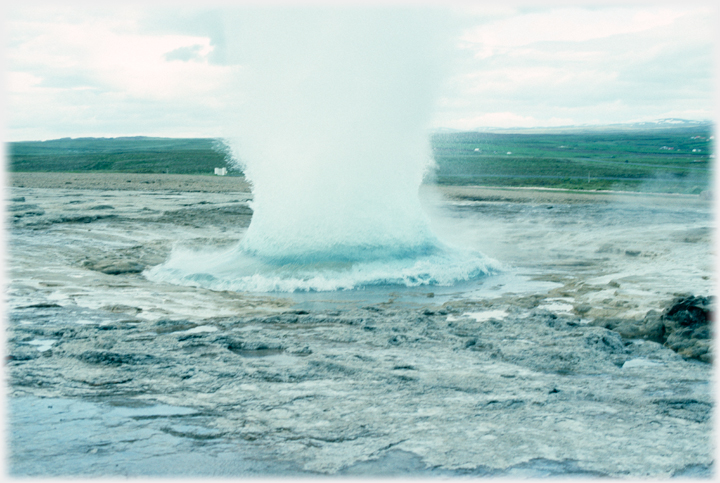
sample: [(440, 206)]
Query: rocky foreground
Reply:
[(590, 362), (128, 182), (463, 389), (685, 326)]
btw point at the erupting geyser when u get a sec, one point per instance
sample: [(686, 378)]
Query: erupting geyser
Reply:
[(332, 134)]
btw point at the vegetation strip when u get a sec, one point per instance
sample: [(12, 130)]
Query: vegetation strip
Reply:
[(677, 159)]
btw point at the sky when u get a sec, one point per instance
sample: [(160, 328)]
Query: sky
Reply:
[(79, 70)]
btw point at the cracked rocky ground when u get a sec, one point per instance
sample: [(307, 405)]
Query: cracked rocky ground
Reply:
[(548, 368)]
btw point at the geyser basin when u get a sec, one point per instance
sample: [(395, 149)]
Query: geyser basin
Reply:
[(333, 140), (237, 270)]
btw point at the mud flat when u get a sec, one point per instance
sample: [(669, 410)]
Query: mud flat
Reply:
[(129, 182), (224, 184), (565, 196), (555, 367)]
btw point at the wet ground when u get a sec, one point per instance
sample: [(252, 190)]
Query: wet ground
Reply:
[(110, 374)]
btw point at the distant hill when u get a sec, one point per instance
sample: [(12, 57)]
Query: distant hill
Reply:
[(659, 124), (664, 157), (137, 154), (668, 155)]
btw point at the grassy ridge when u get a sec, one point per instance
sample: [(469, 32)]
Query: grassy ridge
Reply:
[(629, 160), (120, 155), (637, 160)]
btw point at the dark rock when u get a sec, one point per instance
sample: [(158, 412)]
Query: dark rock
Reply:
[(64, 332), (82, 218), (405, 367), (119, 308), (650, 328), (552, 320), (22, 354), (254, 348), (276, 319), (506, 404), (397, 339), (184, 337), (372, 308), (689, 311), (170, 322), (694, 471), (229, 341), (115, 267), (25, 207), (684, 326), (305, 351), (583, 309), (113, 358), (476, 345), (605, 341), (239, 214), (25, 210), (40, 306), (690, 409), (695, 235), (687, 327)]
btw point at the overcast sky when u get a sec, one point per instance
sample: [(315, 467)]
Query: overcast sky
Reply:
[(79, 70)]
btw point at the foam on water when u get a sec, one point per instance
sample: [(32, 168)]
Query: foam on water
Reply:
[(332, 135), (237, 271)]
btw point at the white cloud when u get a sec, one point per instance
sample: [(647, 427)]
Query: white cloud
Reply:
[(69, 65), (94, 71), (553, 55), (506, 119), (21, 82), (566, 25), (591, 65), (512, 79), (121, 61)]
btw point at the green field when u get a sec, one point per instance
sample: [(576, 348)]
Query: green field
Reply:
[(638, 160), (120, 155), (668, 159)]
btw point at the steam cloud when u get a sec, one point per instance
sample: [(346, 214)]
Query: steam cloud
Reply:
[(332, 134)]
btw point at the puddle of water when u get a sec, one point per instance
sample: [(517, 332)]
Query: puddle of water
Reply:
[(258, 352), (556, 307), (481, 316), (42, 344), (640, 362), (488, 287), (200, 329), (156, 410), (56, 437)]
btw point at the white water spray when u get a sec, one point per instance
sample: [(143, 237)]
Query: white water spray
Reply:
[(332, 136)]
